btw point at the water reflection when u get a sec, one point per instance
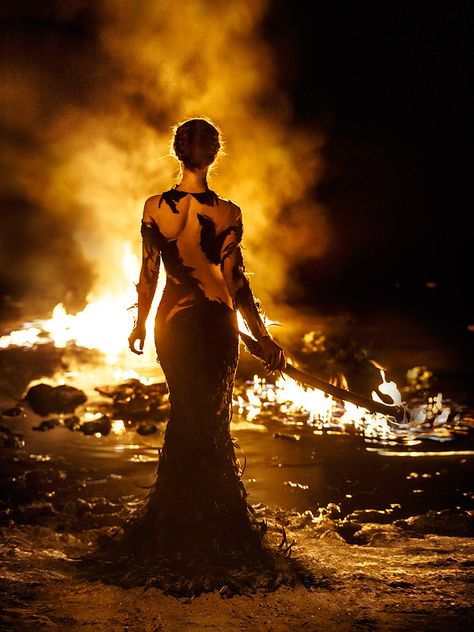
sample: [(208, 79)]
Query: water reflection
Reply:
[(425, 453), (291, 458)]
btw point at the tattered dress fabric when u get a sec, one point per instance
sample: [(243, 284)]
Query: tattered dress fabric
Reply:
[(195, 530)]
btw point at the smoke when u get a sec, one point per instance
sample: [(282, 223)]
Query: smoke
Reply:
[(92, 107)]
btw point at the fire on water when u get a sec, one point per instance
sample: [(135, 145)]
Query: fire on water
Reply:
[(105, 324)]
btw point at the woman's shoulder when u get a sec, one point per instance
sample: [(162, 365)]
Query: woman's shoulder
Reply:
[(150, 207), (227, 208), (226, 201), (153, 200), (232, 209)]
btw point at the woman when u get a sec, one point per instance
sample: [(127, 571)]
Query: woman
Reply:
[(196, 530)]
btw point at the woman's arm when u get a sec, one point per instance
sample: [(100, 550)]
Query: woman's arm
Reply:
[(148, 280), (233, 269)]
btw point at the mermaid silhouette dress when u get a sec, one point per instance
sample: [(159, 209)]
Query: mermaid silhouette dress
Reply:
[(195, 518)]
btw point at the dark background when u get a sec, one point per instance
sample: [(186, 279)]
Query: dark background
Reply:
[(392, 80), (389, 83)]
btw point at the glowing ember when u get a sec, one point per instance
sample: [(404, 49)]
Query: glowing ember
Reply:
[(118, 427)]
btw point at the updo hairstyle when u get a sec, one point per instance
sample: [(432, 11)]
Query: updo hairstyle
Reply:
[(196, 143)]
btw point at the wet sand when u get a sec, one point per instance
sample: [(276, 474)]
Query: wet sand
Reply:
[(392, 584)]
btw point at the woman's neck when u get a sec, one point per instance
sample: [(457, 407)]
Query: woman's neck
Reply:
[(193, 181)]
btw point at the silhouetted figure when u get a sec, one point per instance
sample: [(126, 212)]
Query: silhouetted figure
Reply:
[(196, 530)]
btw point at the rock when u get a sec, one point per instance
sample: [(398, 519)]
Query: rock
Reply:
[(320, 523), (362, 516), (286, 436), (332, 510), (45, 399), (5, 517), (82, 506), (102, 426), (378, 534), (33, 512), (133, 408), (98, 520), (400, 583), (70, 508), (324, 524), (10, 439), (38, 480), (147, 429), (302, 520), (133, 387), (347, 530), (46, 424), (12, 412), (140, 407), (134, 400), (445, 522), (103, 506), (332, 536), (71, 422)]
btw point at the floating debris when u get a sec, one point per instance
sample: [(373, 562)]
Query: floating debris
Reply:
[(9, 438), (15, 411), (46, 424), (101, 426), (286, 436), (134, 400), (145, 429)]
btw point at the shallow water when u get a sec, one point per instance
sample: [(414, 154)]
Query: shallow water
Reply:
[(292, 467), (288, 463)]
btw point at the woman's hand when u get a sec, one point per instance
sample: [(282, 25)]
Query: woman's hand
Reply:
[(138, 333), (273, 355)]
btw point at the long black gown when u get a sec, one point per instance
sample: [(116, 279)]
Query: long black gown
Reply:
[(195, 530)]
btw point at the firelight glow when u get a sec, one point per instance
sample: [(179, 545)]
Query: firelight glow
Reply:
[(104, 324)]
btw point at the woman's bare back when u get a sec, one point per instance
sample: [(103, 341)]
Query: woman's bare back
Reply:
[(194, 232)]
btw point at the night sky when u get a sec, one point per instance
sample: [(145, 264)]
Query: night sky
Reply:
[(388, 82), (391, 80)]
